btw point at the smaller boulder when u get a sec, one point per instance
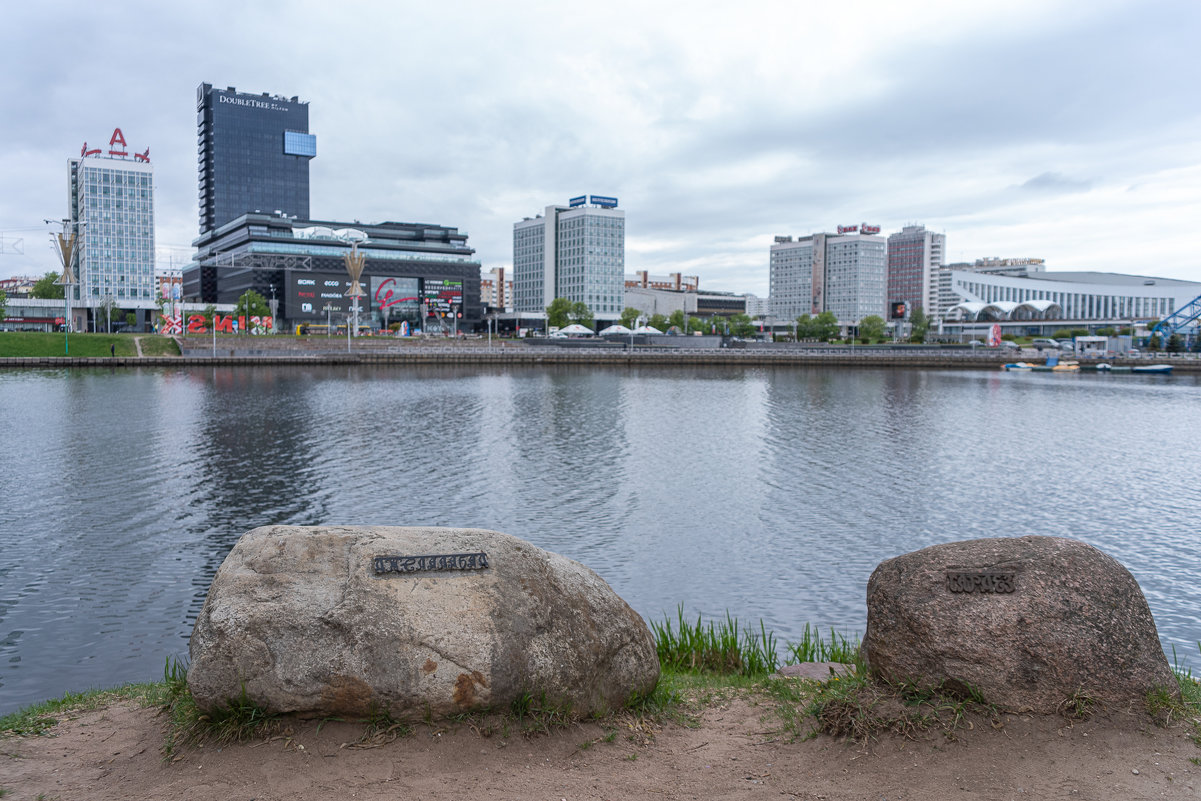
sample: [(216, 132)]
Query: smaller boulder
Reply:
[(349, 621), (1028, 622)]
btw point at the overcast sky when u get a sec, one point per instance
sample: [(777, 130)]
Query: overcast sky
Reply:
[(1069, 131)]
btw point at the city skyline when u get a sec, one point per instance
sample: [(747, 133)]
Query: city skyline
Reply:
[(1020, 129)]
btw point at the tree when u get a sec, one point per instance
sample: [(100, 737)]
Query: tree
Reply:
[(825, 326), (557, 311), (658, 321), (3, 304), (131, 319), (920, 323), (872, 327), (677, 319), (1175, 344), (580, 313), (629, 316), (741, 325), (804, 328), (46, 289), (697, 324)]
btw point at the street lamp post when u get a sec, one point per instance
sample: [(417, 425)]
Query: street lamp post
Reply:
[(66, 252), (354, 267)]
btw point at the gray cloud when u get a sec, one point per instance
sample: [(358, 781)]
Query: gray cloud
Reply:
[(715, 133)]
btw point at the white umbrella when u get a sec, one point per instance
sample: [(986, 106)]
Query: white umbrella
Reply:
[(616, 329), (647, 329), (575, 328)]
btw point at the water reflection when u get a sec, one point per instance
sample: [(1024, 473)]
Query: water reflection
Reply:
[(768, 492)]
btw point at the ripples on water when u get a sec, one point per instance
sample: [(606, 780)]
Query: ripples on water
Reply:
[(771, 493)]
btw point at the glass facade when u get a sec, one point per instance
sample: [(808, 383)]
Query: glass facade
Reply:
[(253, 155), (112, 209)]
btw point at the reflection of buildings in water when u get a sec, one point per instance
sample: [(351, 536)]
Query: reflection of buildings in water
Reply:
[(259, 460)]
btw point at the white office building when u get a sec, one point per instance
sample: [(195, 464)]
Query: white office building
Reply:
[(842, 273), (111, 209), (1045, 301), (575, 252)]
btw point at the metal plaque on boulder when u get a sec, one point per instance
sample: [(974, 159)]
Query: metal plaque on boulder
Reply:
[(981, 582), (415, 564)]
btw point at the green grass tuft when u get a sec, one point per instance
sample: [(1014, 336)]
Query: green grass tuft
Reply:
[(813, 648), (714, 647)]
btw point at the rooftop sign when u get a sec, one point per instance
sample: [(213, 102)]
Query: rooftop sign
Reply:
[(116, 149), (861, 228), (606, 202), (577, 201)]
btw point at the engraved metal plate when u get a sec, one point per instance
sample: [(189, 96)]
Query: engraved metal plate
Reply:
[(414, 564), (980, 582)]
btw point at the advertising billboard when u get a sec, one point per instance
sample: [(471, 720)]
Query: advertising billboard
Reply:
[(896, 310), (439, 295), (308, 294)]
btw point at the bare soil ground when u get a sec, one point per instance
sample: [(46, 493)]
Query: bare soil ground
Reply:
[(733, 749)]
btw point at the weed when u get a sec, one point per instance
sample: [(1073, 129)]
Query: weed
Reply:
[(610, 736), (632, 757), (714, 647), (1195, 760), (538, 715), (1163, 706), (380, 728), (860, 709), (812, 648), (1078, 707)]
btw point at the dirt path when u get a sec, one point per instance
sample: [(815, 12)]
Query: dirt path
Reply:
[(115, 753), (137, 343)]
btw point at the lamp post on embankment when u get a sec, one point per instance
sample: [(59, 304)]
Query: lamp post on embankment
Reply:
[(67, 250)]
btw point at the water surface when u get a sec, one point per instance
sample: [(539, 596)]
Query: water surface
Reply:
[(768, 492)]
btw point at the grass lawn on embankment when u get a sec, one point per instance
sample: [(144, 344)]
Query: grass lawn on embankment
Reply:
[(39, 344)]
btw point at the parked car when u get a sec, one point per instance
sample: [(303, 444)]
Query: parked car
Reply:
[(1040, 343), (1067, 344), (1009, 344)]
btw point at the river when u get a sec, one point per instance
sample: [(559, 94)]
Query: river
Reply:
[(768, 492)]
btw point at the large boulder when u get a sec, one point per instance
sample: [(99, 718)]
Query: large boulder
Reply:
[(412, 621), (1028, 622)]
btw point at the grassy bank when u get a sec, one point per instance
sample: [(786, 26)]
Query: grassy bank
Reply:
[(701, 664), (35, 344)]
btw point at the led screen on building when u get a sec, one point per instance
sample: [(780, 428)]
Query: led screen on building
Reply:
[(439, 295), (308, 295)]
